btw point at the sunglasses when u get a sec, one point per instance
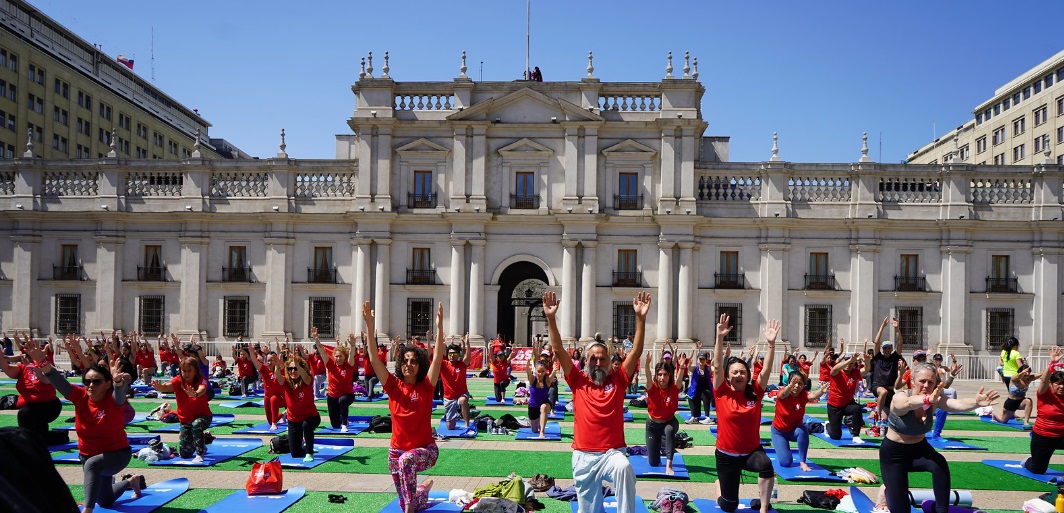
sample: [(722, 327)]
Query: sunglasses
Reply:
[(293, 369), (93, 382)]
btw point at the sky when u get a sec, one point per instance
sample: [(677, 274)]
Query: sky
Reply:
[(820, 73)]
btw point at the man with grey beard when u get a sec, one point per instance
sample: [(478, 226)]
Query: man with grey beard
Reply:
[(598, 411)]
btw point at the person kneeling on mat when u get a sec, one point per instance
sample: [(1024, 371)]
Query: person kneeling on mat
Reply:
[(905, 448), (341, 372), (1048, 433), (539, 405), (598, 405), (455, 388), (1017, 399), (845, 376), (663, 399), (303, 418), (193, 408), (789, 423)]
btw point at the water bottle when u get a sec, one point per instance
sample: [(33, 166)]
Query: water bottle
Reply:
[(1060, 500), (776, 488)]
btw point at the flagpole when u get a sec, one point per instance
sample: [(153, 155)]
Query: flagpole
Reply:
[(153, 54), (528, 38)]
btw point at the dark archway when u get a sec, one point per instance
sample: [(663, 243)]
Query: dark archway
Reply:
[(508, 282)]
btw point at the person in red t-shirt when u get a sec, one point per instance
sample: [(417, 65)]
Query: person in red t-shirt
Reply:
[(341, 372), (846, 375), (193, 410), (455, 390), (1048, 433), (410, 390), (500, 373), (146, 362), (738, 395), (37, 403), (789, 423), (296, 382), (318, 372), (598, 404), (98, 421), (272, 393), (245, 370), (663, 398)]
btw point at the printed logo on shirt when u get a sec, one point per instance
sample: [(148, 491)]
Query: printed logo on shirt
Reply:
[(609, 388), (750, 404), (413, 397), (100, 414)]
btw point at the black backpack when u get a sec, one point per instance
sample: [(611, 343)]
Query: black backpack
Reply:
[(683, 440), (379, 424), (9, 402), (279, 445), (638, 403), (817, 499), (482, 421), (508, 421)]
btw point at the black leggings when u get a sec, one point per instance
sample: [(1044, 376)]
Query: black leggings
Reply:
[(99, 470), (301, 431), (369, 384), (1042, 448), (500, 390), (835, 414), (655, 430), (729, 472), (35, 417), (703, 398), (897, 460), (339, 407)]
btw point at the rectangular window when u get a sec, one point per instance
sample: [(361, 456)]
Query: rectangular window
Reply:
[(1041, 115), (422, 196), (237, 270), (142, 131), (628, 196), (997, 109), (35, 103), (151, 315), (36, 74), (418, 316), (1060, 106), (1060, 134), (1048, 80), (1000, 325), (999, 135), (153, 262), (84, 100), (142, 153), (1037, 87), (735, 314), (1006, 103), (123, 121), (526, 190), (61, 116), (157, 139), (911, 325), (323, 266), (105, 111), (999, 159), (236, 316), (623, 318), (68, 255), (67, 313), (964, 154), (1027, 92), (12, 62), (1019, 126), (62, 88), (980, 145), (323, 316), (999, 266), (729, 276), (1019, 153), (817, 325), (909, 273), (626, 274), (421, 271), (818, 278), (1041, 143)]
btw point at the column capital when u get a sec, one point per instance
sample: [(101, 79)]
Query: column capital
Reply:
[(964, 250), (865, 248), (1047, 251), (458, 243), (666, 244), (774, 246), (589, 243), (279, 241), (359, 241), (687, 245), (478, 243), (382, 242), (566, 243)]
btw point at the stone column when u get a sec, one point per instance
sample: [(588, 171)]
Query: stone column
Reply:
[(24, 283), (863, 293), (193, 285), (687, 285), (382, 288), (476, 293), (773, 280), (383, 193), (108, 284), (568, 297), (954, 299), (587, 292), (456, 316), (360, 292), (1046, 298), (278, 276), (664, 298)]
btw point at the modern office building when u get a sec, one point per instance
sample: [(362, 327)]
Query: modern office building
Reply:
[(73, 99), (1022, 124), (481, 195)]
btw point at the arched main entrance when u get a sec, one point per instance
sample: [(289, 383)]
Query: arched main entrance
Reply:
[(520, 313)]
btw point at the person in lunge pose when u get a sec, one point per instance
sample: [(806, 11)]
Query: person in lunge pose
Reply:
[(303, 418), (455, 389), (272, 391), (341, 371), (789, 423), (845, 376), (539, 387), (410, 392), (598, 405), (1017, 399), (1048, 433), (905, 448), (663, 398), (193, 410), (738, 396)]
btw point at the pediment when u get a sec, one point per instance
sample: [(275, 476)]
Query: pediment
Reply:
[(525, 106), (631, 150), (422, 148), (526, 148)]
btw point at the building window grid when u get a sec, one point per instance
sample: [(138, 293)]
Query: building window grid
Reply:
[(236, 316), (1019, 153), (817, 325), (623, 318), (1019, 126), (999, 135), (151, 315), (1041, 115), (911, 324), (735, 314), (323, 316), (980, 145), (67, 314), (418, 316), (1000, 325)]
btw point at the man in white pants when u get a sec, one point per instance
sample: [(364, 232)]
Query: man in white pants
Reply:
[(598, 412)]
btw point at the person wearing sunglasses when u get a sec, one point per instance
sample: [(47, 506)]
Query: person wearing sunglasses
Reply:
[(98, 421), (410, 389), (341, 373), (303, 418), (455, 389), (1047, 435), (193, 410)]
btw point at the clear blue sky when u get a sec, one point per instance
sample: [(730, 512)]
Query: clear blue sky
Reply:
[(819, 73)]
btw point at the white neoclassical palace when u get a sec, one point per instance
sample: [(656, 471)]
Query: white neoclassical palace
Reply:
[(480, 195)]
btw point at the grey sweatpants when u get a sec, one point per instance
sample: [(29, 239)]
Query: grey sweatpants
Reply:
[(100, 470)]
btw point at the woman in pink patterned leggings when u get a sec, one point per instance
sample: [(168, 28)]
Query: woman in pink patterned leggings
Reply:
[(410, 392)]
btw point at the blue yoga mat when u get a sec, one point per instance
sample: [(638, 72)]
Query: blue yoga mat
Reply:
[(222, 449), (325, 449), (866, 505), (506, 401), (642, 468), (364, 399), (437, 504), (217, 419), (152, 498), (710, 506), (240, 404), (460, 430), (628, 416), (355, 425), (553, 431), (686, 415), (240, 501), (262, 429), (847, 440), (4, 382), (136, 443), (952, 445), (139, 417), (1051, 476), (609, 505), (794, 472), (560, 405), (1012, 423), (557, 415)]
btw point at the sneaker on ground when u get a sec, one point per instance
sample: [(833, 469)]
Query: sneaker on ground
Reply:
[(692, 420), (197, 459), (706, 421), (343, 428), (857, 440), (308, 458)]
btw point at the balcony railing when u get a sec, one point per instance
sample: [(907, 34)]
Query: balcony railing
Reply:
[(627, 201), (321, 275), (627, 278), (421, 201), (910, 284), (151, 273), (820, 282), (1006, 285), (421, 277), (236, 274), (729, 281), (67, 272), (524, 201)]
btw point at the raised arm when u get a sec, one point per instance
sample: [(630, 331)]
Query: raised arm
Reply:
[(879, 334), (318, 345), (1055, 355), (352, 351), (467, 352), (550, 310), (379, 367), (648, 373), (897, 333), (772, 330), (641, 305), (723, 328), (440, 350)]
